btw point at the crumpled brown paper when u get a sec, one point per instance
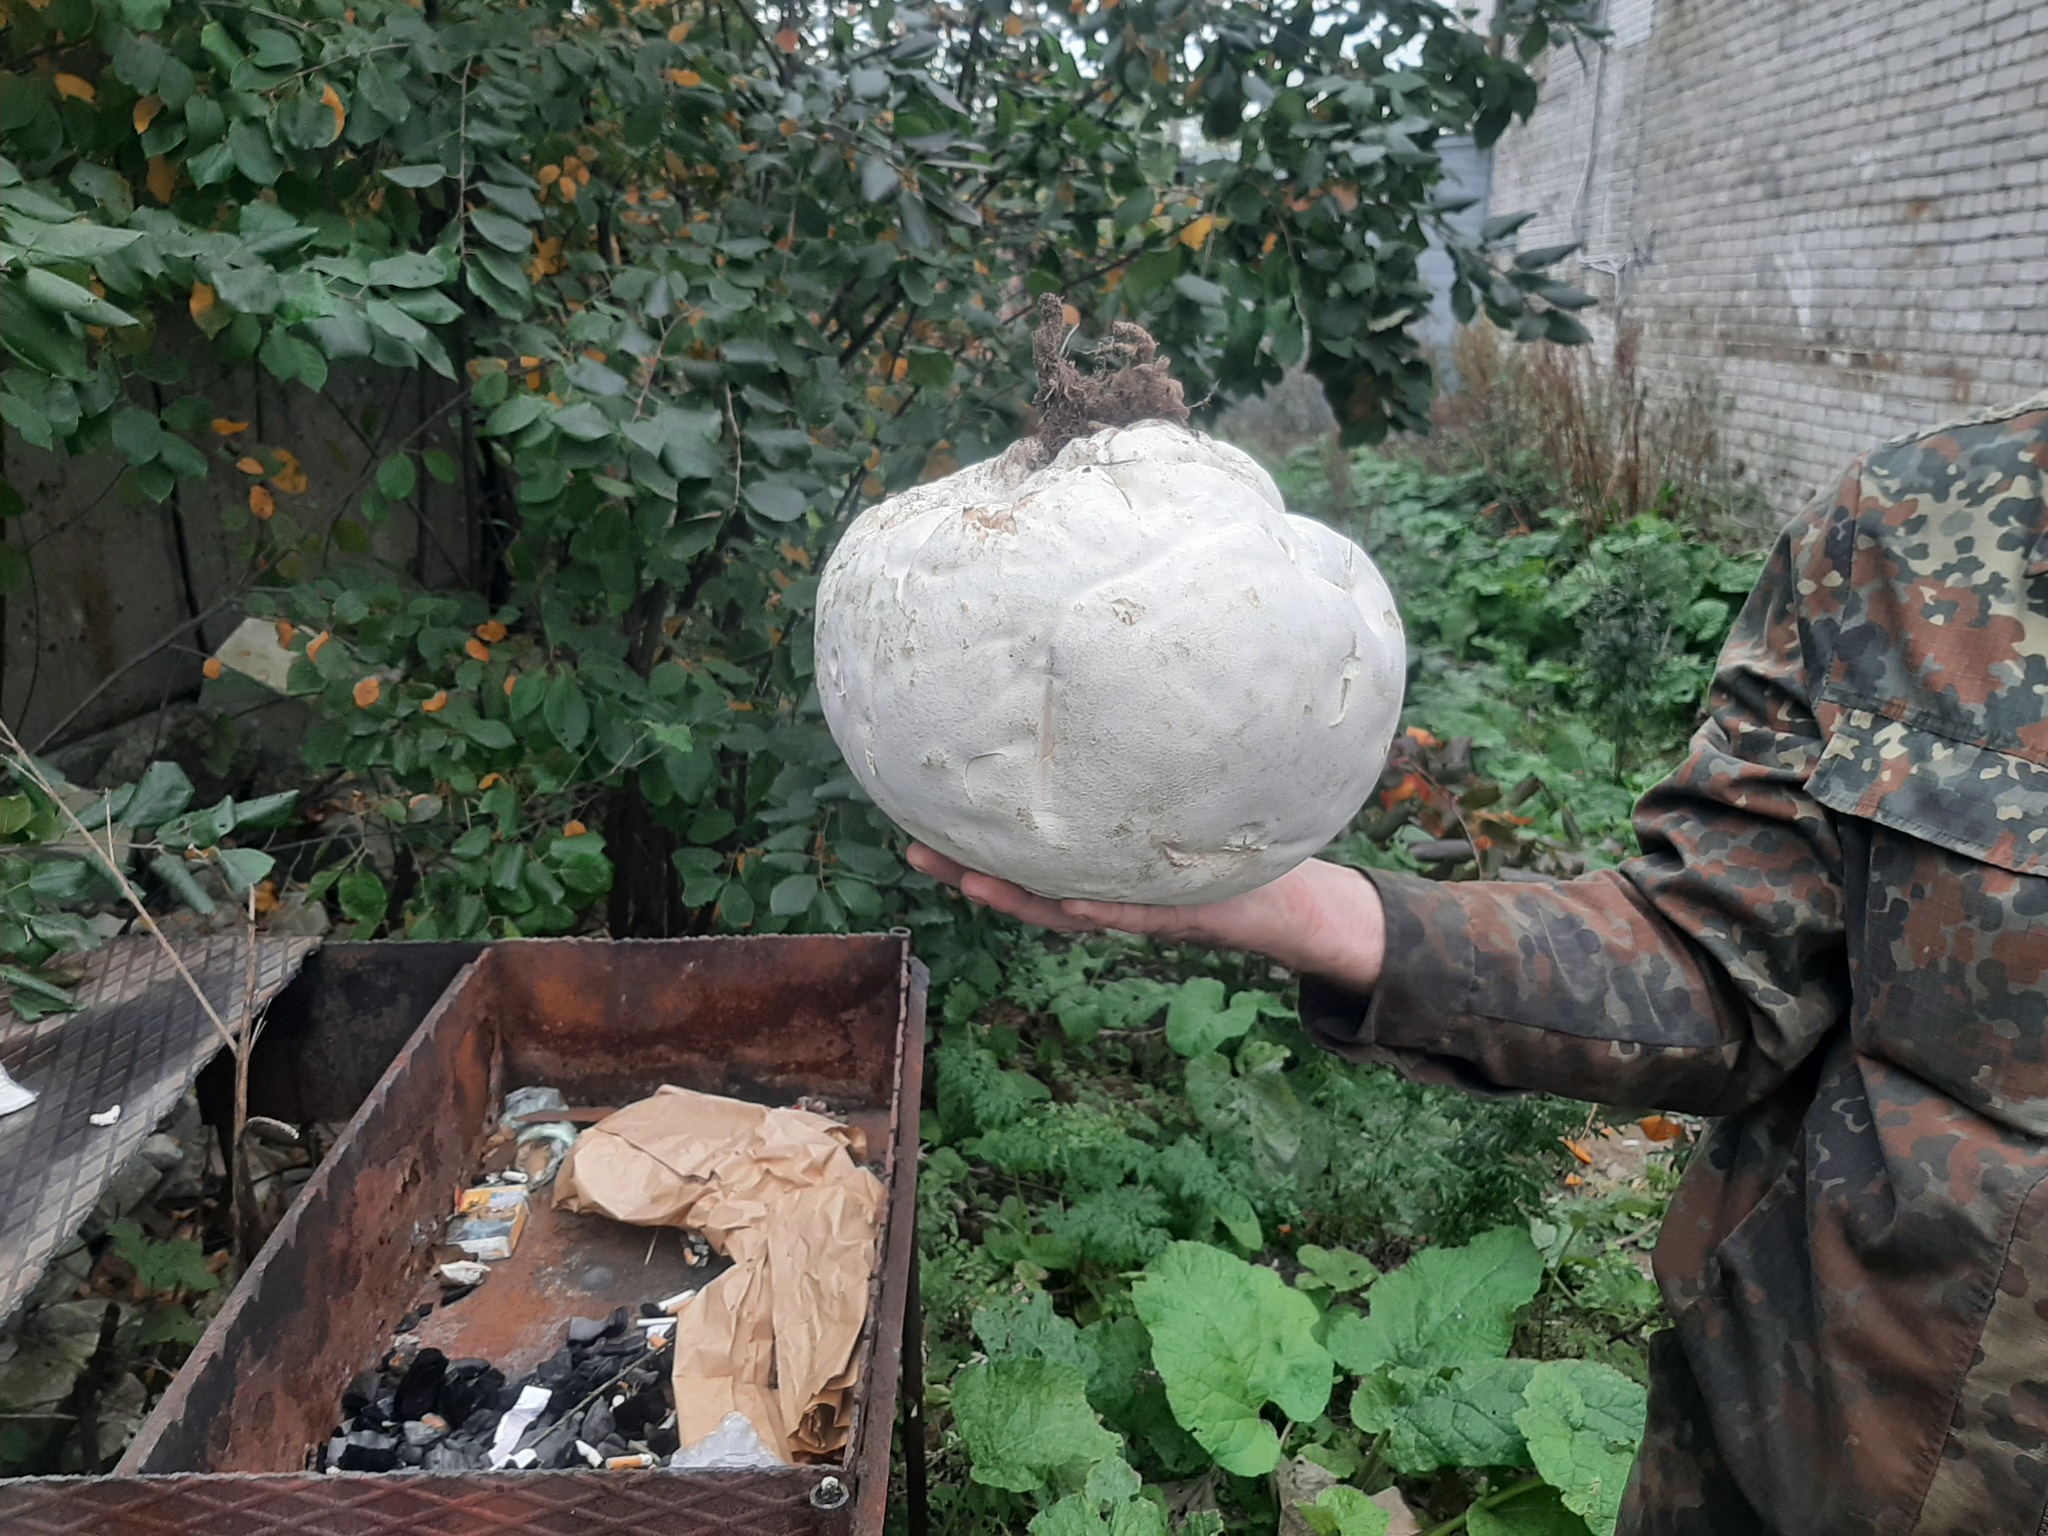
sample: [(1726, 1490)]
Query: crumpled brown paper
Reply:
[(779, 1192)]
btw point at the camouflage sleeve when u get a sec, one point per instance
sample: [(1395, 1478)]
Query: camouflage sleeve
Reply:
[(1695, 977)]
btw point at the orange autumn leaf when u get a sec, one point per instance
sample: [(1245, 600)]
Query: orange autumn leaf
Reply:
[(1573, 1181), (477, 650), (331, 100), (1420, 737), (1196, 235), (1578, 1150), (491, 631), (686, 78), (367, 692), (549, 175), (436, 704), (787, 40), (224, 426), (567, 188), (77, 87), (313, 646), (262, 503), (250, 465), (163, 178), (574, 829), (145, 111), (489, 779), (679, 31), (212, 668), (510, 679), (1661, 1128), (789, 126), (1013, 26), (201, 302), (288, 632)]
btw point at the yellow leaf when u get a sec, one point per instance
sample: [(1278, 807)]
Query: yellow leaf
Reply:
[(574, 829), (250, 466), (490, 631), (549, 175), (146, 110), (313, 646), (436, 704), (1013, 26), (201, 301), (511, 680), (789, 125), (287, 632), (212, 668), (686, 78), (291, 481), (679, 31), (77, 88), (567, 187), (331, 100), (1196, 235), (223, 427), (367, 692), (477, 650), (489, 779), (262, 503), (163, 179), (1070, 314)]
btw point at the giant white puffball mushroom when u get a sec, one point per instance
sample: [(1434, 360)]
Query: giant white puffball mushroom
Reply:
[(1128, 674)]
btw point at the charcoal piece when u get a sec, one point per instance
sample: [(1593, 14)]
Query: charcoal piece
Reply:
[(380, 1412), (557, 1448), (620, 1320), (507, 1395), (664, 1442), (420, 1388), (361, 1393), (457, 1455), (368, 1451), (646, 1406), (415, 1317), (467, 1386), (597, 1423), (412, 1457), (556, 1369), (586, 1330), (420, 1436), (649, 1309), (612, 1445)]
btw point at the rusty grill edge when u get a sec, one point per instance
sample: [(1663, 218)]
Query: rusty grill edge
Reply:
[(842, 1018)]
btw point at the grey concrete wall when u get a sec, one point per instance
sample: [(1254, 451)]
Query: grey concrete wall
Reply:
[(1833, 209)]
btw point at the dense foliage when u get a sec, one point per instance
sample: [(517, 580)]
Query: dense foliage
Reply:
[(695, 283)]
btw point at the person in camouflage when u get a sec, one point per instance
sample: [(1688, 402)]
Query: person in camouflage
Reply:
[(1836, 941)]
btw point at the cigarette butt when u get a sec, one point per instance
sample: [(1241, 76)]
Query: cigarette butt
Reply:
[(670, 1303), (630, 1463)]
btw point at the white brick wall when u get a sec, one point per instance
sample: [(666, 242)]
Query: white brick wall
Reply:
[(1836, 209)]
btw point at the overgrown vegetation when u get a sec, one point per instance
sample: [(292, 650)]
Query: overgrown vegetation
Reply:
[(1183, 1271)]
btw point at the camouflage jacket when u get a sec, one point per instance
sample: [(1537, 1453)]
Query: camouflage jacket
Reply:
[(1836, 940)]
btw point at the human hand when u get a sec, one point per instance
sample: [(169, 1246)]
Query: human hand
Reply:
[(1319, 918)]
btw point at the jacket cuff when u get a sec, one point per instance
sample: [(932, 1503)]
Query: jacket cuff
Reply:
[(1426, 981)]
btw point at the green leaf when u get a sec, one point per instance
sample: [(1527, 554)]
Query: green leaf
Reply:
[(1336, 1270), (1445, 1306), (397, 476), (506, 234), (1024, 1422), (244, 868), (793, 895), (777, 500), (51, 997), (582, 421), (409, 269), (362, 897), (161, 793), (1197, 1020), (1584, 1424), (415, 175), (1465, 1418), (265, 811), (177, 879), (515, 415), (1343, 1511), (138, 434), (567, 712), (1228, 1338), (494, 735), (253, 156), (441, 465), (929, 369), (144, 15), (64, 297), (1538, 1512)]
